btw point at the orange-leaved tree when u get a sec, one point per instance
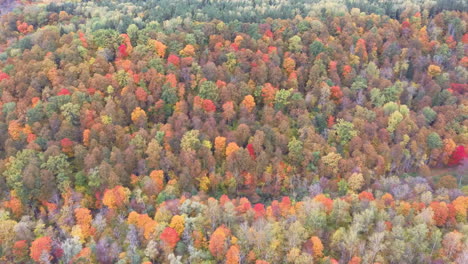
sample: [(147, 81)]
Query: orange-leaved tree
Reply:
[(169, 237), (317, 247), (144, 222), (115, 198), (249, 102), (42, 245), (217, 245), (83, 218), (233, 255)]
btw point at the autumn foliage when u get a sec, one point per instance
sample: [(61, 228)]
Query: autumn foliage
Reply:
[(116, 197), (232, 255), (218, 240), (170, 237), (458, 155), (40, 246), (20, 249), (233, 131)]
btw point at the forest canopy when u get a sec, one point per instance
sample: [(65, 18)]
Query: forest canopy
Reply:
[(248, 132)]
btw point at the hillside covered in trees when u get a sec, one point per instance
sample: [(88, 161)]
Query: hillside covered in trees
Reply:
[(247, 131)]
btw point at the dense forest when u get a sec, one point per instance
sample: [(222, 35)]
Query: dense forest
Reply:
[(246, 131)]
